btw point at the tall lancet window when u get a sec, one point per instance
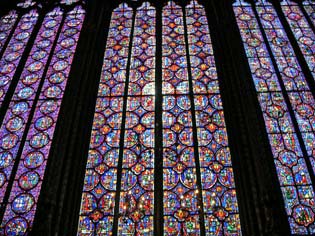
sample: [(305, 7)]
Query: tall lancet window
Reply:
[(12, 54), (7, 23), (197, 182), (137, 181), (198, 179), (33, 113), (287, 105), (217, 181), (17, 115), (302, 31), (181, 212), (100, 184)]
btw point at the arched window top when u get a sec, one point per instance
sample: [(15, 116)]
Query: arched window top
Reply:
[(21, 7), (239, 3), (146, 6), (70, 2), (29, 4), (32, 13), (263, 3), (78, 10), (171, 5), (193, 4), (123, 7), (11, 15), (26, 4), (57, 11)]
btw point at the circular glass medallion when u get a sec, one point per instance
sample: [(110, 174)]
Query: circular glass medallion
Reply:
[(12, 56), (33, 160), (305, 110), (60, 65), (254, 42), (6, 159), (36, 66), (9, 141), (99, 120), (108, 179), (14, 124), (7, 68), (39, 55), (91, 180), (26, 26), (57, 78), (268, 16), (263, 73), (208, 178), (245, 17), (16, 227), (70, 32), (295, 16), (22, 35), (65, 53), (51, 23), (19, 108), (39, 140), (73, 23), (44, 123), (25, 93), (23, 203), (30, 79), (291, 72), (28, 180), (47, 33), (288, 158), (48, 107), (67, 43), (303, 215), (43, 44), (16, 46), (96, 139), (52, 92), (4, 80), (275, 111)]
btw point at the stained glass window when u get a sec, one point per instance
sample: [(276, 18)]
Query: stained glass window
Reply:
[(43, 92), (18, 113), (26, 3), (217, 180), (99, 192), (13, 53), (7, 23), (273, 83), (137, 182), (181, 213), (121, 158), (302, 31), (294, 81)]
